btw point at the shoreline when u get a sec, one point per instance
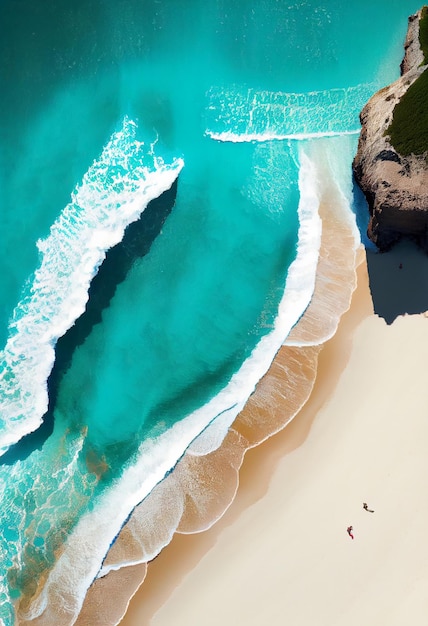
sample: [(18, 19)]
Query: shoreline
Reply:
[(311, 480)]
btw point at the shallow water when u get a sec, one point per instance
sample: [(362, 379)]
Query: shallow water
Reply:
[(110, 105)]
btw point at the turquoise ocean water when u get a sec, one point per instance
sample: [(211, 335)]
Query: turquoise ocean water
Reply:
[(195, 116)]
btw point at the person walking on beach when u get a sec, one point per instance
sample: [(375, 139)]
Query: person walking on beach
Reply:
[(349, 531), (366, 507)]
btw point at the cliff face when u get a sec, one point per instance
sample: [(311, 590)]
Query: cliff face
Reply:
[(396, 187)]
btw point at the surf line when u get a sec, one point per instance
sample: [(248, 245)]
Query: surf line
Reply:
[(265, 137)]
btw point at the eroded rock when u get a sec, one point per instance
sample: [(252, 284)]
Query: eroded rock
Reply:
[(396, 186)]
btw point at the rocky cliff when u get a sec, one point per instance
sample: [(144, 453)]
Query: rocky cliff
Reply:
[(396, 186)]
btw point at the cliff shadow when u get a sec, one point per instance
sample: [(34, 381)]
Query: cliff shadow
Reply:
[(136, 243), (398, 280)]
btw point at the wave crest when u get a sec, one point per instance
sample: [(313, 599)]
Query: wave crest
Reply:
[(113, 193)]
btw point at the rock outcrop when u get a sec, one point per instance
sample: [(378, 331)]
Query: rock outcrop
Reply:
[(396, 186)]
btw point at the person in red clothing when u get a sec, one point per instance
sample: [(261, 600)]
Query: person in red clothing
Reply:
[(349, 531)]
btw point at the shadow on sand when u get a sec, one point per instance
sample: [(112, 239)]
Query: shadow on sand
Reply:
[(398, 280), (136, 243)]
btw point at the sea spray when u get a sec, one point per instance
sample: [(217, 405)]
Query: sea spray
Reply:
[(113, 193)]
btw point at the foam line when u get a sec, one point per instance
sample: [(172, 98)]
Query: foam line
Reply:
[(270, 136), (250, 115)]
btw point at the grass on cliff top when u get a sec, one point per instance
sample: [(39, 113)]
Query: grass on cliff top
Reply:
[(408, 130)]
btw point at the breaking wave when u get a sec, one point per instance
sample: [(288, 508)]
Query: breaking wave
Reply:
[(113, 193)]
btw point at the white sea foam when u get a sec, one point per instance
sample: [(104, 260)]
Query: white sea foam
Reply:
[(113, 193), (333, 158), (243, 114), (89, 542), (339, 157), (228, 136), (213, 435)]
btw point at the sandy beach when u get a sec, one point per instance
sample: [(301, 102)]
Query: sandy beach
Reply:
[(281, 553)]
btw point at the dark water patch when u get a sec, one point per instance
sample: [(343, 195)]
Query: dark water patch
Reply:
[(136, 243), (398, 280), (45, 44)]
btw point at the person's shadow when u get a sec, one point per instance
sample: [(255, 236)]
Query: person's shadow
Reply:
[(398, 280)]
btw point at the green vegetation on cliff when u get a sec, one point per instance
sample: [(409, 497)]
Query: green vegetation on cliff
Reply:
[(408, 130), (423, 32)]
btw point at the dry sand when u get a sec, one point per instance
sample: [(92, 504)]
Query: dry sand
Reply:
[(281, 554)]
